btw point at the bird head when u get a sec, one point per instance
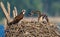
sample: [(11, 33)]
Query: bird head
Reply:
[(31, 13), (23, 11)]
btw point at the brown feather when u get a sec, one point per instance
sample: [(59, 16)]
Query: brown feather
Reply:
[(17, 19)]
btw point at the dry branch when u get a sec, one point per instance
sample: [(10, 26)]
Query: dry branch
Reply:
[(8, 4), (5, 23), (15, 11), (5, 12), (13, 14)]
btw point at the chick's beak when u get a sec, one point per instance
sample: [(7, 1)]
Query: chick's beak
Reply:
[(30, 14)]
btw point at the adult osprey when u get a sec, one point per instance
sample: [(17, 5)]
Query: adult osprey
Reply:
[(18, 18)]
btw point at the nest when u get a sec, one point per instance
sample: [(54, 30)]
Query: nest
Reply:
[(32, 29)]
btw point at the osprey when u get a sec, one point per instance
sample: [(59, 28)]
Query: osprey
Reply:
[(41, 17), (18, 18)]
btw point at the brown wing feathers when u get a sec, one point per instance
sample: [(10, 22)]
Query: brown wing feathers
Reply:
[(17, 19)]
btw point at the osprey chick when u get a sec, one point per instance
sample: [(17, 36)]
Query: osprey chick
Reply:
[(41, 17)]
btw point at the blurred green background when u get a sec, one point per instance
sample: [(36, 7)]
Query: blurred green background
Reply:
[(50, 7)]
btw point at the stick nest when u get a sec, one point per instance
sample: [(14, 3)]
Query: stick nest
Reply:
[(32, 29)]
